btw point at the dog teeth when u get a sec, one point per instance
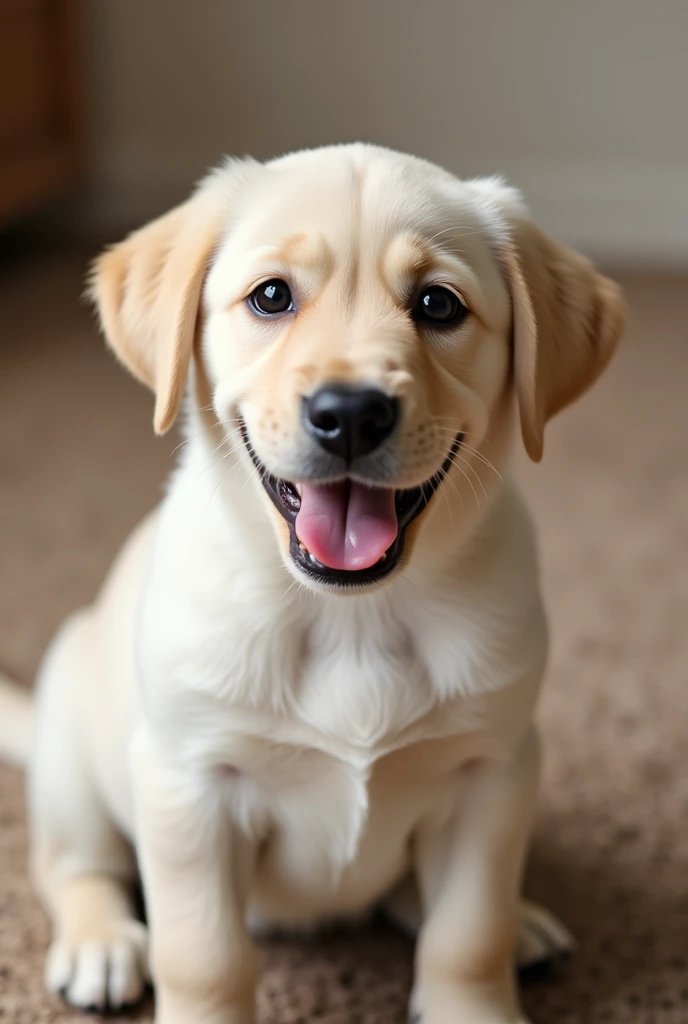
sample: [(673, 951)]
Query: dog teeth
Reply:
[(309, 555)]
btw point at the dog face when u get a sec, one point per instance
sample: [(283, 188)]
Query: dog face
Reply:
[(357, 324), (364, 320)]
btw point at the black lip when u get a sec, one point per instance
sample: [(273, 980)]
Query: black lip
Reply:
[(409, 504)]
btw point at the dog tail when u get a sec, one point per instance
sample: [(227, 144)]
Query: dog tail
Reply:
[(16, 722)]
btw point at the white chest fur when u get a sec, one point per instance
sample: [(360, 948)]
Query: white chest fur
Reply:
[(310, 697)]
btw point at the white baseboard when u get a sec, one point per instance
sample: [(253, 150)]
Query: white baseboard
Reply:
[(622, 215)]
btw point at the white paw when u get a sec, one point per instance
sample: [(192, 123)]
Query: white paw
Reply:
[(489, 1017), (542, 938), (103, 972)]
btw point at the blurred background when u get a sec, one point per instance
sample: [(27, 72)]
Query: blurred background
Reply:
[(110, 110), (582, 105)]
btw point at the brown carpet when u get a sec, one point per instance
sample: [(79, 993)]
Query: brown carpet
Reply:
[(79, 465)]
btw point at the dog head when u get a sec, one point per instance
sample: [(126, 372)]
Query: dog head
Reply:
[(362, 320)]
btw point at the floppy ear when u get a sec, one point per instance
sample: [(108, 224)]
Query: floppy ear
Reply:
[(567, 321), (148, 290)]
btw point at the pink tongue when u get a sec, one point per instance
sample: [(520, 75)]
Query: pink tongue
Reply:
[(346, 525)]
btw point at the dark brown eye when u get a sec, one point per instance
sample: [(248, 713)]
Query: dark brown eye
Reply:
[(271, 298), (439, 306)]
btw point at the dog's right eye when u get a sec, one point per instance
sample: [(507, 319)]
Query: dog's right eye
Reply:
[(271, 297)]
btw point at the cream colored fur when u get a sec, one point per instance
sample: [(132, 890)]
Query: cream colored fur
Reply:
[(277, 753)]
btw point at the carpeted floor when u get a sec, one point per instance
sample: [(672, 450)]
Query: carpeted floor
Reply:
[(79, 465)]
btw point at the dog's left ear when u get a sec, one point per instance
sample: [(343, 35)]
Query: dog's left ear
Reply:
[(148, 290), (567, 318), (567, 321)]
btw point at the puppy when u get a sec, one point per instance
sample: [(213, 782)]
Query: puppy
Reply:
[(307, 686)]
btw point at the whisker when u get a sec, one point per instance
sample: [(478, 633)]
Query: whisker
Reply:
[(211, 408), (192, 437), (256, 468), (470, 483), (449, 423), (226, 455), (257, 471), (475, 474), (484, 460), (474, 452), (294, 583), (219, 484), (217, 447), (449, 508), (455, 489)]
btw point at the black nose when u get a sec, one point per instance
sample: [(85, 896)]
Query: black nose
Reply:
[(350, 422)]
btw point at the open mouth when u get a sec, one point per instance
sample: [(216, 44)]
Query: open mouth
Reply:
[(345, 532)]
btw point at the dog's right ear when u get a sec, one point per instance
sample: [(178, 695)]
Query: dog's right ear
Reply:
[(147, 290)]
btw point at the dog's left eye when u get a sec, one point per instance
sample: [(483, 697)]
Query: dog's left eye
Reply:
[(271, 297), (438, 305)]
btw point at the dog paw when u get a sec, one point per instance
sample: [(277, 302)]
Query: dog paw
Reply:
[(101, 972), (416, 1017), (542, 938)]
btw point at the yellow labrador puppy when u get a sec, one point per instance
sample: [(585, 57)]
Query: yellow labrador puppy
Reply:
[(308, 683)]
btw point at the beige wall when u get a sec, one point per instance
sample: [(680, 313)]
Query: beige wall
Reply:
[(583, 104)]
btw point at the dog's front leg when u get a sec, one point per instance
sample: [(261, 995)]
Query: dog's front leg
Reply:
[(196, 866), (469, 870)]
